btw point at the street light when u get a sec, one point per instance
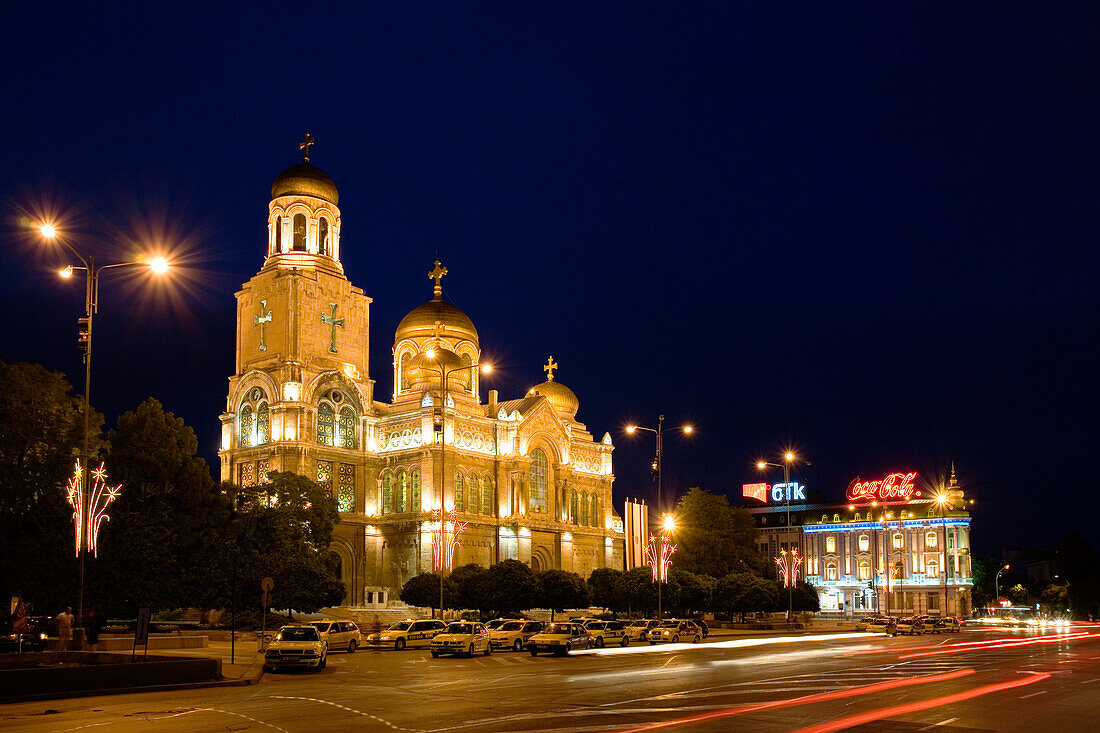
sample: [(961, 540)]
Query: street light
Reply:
[(444, 374), (788, 458), (84, 338), (997, 584)]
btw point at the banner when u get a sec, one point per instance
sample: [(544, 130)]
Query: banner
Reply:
[(636, 518)]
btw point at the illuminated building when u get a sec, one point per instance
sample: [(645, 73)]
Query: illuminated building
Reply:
[(526, 478), (882, 550)]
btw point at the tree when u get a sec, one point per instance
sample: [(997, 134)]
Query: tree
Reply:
[(468, 583), (423, 591), (695, 590), (984, 570), (559, 590), (745, 593), (1018, 594), (637, 591), (1056, 597), (805, 597), (603, 585), (510, 587), (41, 439), (714, 538)]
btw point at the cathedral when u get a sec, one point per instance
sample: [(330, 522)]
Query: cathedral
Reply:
[(519, 479)]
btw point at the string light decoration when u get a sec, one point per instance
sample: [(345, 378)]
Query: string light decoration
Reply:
[(90, 507), (659, 556), (789, 566), (446, 539)]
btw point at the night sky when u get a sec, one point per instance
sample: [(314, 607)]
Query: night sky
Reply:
[(867, 235)]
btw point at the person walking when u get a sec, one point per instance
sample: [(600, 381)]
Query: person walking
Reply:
[(64, 629), (95, 627)]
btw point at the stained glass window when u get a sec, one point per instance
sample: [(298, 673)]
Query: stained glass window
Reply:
[(414, 490), (261, 471), (594, 515), (247, 422), (324, 475), (573, 506), (345, 496), (325, 421), (387, 494), (473, 496), (401, 370), (400, 494), (347, 427), (263, 424), (486, 496), (584, 510), (537, 481), (460, 504), (248, 475)]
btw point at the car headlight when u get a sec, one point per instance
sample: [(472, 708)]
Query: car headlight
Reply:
[(43, 637)]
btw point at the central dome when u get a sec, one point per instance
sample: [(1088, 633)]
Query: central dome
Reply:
[(421, 321), (305, 180)]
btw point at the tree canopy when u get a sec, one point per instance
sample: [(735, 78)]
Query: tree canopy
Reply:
[(559, 590), (603, 584), (714, 538), (509, 587)]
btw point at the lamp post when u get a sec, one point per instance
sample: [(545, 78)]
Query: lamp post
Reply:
[(444, 375), (656, 466), (788, 458), (157, 265), (997, 584)]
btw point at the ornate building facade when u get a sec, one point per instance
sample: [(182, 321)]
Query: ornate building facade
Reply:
[(525, 477)]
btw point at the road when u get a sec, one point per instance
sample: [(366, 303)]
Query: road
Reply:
[(986, 680)]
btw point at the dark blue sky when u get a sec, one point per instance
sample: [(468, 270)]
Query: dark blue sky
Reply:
[(868, 234)]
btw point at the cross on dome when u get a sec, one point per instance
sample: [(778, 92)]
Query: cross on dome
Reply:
[(437, 274), (551, 365), (304, 147)]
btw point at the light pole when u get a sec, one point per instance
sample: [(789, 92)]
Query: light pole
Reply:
[(157, 265), (656, 467), (440, 423), (788, 458), (997, 584)]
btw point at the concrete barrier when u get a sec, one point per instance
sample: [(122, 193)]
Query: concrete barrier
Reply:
[(156, 641)]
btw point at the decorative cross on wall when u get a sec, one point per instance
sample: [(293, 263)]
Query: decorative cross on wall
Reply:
[(551, 365), (332, 322), (260, 320)]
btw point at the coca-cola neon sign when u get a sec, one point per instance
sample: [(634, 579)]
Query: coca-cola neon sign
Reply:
[(897, 486)]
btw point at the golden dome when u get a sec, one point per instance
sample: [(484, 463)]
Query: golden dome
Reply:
[(561, 397), (305, 180), (423, 371), (421, 321)]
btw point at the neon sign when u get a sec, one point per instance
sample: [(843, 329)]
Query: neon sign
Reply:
[(895, 486), (793, 491), (755, 491)]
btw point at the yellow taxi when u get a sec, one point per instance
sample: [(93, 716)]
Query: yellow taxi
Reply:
[(675, 631), (514, 634), (638, 629), (408, 633), (462, 637), (603, 633), (339, 634), (560, 638)]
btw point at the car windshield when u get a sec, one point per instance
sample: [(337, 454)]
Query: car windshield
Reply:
[(670, 625), (459, 629), (401, 626), (639, 623), (560, 629), (321, 626), (495, 624), (596, 626), (512, 626), (304, 633), (531, 627)]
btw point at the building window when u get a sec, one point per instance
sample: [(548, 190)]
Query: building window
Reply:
[(933, 601), (583, 519), (830, 571), (399, 493), (594, 514), (864, 543), (248, 422), (402, 363), (460, 500), (387, 493), (899, 541), (261, 470), (322, 237), (931, 539), (487, 496), (414, 490), (473, 496), (345, 494), (573, 506), (299, 232), (247, 472), (347, 427), (830, 544), (537, 481), (326, 419), (836, 517), (864, 570), (263, 424), (324, 475), (932, 569), (278, 234)]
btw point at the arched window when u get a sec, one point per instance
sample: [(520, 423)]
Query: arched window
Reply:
[(473, 496), (460, 503), (830, 571), (594, 514), (824, 518), (404, 362), (836, 517), (347, 427), (399, 494), (573, 506), (487, 496), (856, 517), (864, 543), (931, 539), (263, 424), (278, 234), (898, 541), (583, 518), (248, 423), (299, 232), (466, 362), (830, 544), (414, 492), (322, 237), (932, 569), (537, 481), (387, 493), (864, 570), (326, 419)]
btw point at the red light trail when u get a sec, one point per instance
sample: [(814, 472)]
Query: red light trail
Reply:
[(1007, 644)]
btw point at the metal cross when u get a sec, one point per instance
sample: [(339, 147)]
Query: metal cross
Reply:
[(304, 147), (332, 321), (260, 321), (437, 274), (551, 365)]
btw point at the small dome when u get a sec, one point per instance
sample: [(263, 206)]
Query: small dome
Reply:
[(305, 180), (423, 371), (561, 397), (420, 321)]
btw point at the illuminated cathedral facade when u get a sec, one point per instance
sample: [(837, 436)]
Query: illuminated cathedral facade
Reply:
[(524, 477)]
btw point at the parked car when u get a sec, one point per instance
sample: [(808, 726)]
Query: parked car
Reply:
[(948, 625), (408, 633), (498, 622), (296, 646), (603, 633), (929, 623), (881, 624), (638, 629), (675, 631), (34, 639), (462, 637), (514, 634), (861, 625), (560, 638), (911, 626), (339, 634)]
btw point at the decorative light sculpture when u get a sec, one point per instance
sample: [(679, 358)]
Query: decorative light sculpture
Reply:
[(789, 566), (87, 519), (659, 556), (446, 538)]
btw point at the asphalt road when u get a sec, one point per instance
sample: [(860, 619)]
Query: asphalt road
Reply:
[(1001, 680)]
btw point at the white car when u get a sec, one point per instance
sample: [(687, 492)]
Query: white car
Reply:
[(296, 646), (339, 634), (462, 637)]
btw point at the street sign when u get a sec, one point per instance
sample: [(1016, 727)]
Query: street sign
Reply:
[(265, 599), (141, 635), (266, 585)]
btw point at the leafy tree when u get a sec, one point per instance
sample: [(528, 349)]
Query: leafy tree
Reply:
[(714, 538), (984, 570), (423, 591), (603, 585), (745, 593), (1056, 597), (468, 583), (695, 590), (559, 590), (806, 598), (41, 438), (509, 587), (1018, 594), (637, 591)]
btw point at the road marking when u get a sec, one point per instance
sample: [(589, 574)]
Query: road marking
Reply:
[(1094, 679), (1040, 692), (383, 721), (941, 723)]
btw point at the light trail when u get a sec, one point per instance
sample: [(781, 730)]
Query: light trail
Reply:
[(1005, 645), (731, 644), (913, 707), (804, 700), (960, 644)]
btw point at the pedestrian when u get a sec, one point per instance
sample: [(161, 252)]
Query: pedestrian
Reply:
[(64, 629), (95, 627)]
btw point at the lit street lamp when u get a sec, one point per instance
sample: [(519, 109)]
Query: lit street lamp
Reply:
[(997, 584), (788, 459), (157, 265)]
